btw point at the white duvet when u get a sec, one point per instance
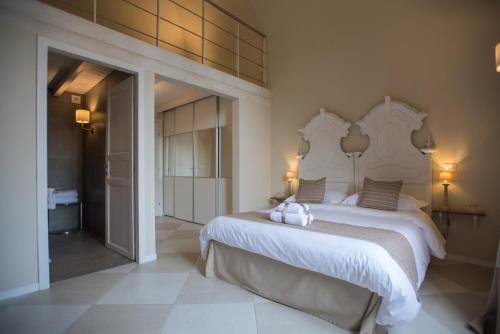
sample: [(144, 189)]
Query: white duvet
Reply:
[(357, 261)]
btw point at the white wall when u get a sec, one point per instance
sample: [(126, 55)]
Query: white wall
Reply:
[(20, 23), (18, 231)]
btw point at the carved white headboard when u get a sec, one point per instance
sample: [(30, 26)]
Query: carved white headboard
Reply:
[(326, 157), (391, 154)]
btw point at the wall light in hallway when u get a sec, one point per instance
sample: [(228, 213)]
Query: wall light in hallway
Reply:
[(82, 116)]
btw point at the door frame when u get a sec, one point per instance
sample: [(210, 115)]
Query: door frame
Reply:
[(45, 44)]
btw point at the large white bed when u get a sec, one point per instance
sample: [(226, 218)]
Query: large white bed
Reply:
[(390, 156)]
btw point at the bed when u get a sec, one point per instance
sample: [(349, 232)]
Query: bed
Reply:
[(360, 284)]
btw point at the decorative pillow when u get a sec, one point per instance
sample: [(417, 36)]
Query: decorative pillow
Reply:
[(311, 191), (405, 202), (334, 197), (380, 195)]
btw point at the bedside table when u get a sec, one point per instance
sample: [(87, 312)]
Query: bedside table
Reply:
[(278, 199), (447, 212)]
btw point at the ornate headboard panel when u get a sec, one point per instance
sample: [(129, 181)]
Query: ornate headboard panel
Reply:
[(325, 157), (391, 154)]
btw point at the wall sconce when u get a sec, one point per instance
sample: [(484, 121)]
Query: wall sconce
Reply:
[(497, 56), (291, 175), (446, 177), (82, 116)]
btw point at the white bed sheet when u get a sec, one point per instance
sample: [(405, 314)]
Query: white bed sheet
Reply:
[(360, 262)]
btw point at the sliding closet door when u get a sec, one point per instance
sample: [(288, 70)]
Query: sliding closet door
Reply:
[(225, 202), (183, 161), (168, 162), (205, 159)]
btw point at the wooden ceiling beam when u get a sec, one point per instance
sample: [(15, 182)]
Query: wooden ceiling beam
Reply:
[(71, 74)]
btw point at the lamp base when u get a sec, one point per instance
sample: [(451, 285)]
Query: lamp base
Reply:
[(445, 189), (290, 188)]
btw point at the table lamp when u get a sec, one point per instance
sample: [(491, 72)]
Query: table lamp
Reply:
[(291, 175), (446, 177)]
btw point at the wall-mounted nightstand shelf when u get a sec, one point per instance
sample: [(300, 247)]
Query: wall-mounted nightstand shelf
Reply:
[(278, 199), (447, 212)]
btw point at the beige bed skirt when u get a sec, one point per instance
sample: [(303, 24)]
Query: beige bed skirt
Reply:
[(341, 303)]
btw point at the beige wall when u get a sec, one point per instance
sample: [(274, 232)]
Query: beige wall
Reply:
[(18, 238), (20, 23), (437, 56)]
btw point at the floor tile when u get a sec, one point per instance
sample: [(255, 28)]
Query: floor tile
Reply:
[(199, 266), (179, 246), (162, 235), (454, 310), (424, 323), (471, 277), (176, 262), (121, 269), (185, 234), (201, 290), (434, 283), (83, 290), (146, 288), (190, 226), (40, 319), (80, 253), (273, 318), (167, 226), (211, 319), (121, 319), (259, 299)]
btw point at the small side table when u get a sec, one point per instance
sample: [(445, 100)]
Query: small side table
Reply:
[(275, 200), (447, 212)]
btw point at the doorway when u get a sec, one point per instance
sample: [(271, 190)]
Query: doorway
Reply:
[(193, 152), (90, 166)]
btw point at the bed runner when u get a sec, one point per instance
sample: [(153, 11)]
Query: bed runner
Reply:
[(393, 242)]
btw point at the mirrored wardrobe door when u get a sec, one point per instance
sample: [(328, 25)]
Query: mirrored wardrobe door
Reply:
[(225, 202), (205, 158), (183, 163), (168, 162)]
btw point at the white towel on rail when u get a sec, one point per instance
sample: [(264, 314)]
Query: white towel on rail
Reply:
[(51, 199)]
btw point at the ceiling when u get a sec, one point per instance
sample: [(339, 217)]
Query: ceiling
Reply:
[(78, 77), (66, 74), (169, 94)]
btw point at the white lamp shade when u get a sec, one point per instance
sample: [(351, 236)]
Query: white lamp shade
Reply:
[(82, 116), (497, 56)]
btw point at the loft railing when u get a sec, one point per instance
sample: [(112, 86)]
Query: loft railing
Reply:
[(200, 30)]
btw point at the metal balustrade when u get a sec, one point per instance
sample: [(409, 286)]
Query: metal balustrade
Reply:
[(199, 30)]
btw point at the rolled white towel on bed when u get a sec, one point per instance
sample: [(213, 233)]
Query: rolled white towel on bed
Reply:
[(293, 207), (292, 218)]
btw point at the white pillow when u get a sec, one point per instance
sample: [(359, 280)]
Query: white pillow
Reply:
[(351, 200), (331, 197), (405, 202), (334, 197), (408, 202)]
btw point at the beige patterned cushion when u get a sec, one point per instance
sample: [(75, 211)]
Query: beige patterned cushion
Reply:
[(311, 191), (380, 195)]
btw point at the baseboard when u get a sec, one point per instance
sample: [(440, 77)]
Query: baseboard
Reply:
[(147, 258), (23, 290), (470, 260)]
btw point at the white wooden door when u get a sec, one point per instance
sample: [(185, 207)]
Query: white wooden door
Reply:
[(120, 169)]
